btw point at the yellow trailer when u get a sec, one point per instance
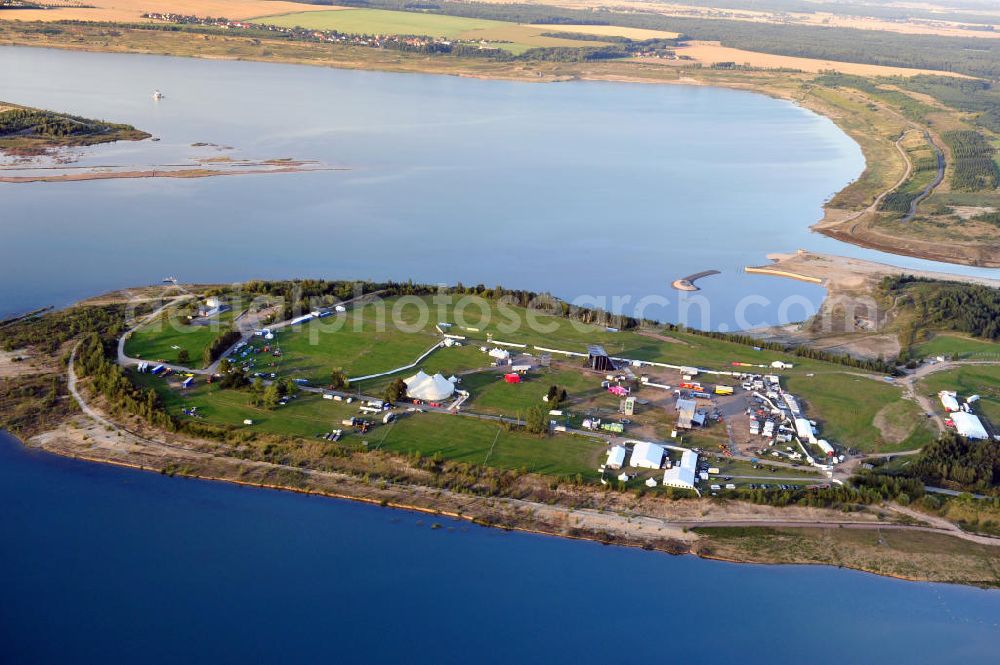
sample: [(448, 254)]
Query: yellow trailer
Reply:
[(723, 390)]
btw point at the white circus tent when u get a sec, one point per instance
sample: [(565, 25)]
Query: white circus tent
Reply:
[(428, 388)]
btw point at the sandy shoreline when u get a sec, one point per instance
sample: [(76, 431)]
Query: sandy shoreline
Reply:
[(844, 273), (552, 520)]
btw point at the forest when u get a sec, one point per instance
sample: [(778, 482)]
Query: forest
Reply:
[(22, 126), (953, 460), (50, 331), (970, 95), (967, 308), (973, 168)]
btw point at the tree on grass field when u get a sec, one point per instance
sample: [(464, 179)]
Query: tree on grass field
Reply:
[(183, 357), (271, 396), (556, 396), (395, 391), (231, 377), (535, 421), (338, 379)]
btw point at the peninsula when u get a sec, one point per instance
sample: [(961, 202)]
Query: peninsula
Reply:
[(28, 131), (402, 395)]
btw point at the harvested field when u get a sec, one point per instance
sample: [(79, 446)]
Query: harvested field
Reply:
[(710, 53), (132, 10)]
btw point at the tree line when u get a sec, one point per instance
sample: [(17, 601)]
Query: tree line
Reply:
[(220, 344), (111, 381)]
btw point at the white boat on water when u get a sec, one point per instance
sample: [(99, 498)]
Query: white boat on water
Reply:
[(157, 94)]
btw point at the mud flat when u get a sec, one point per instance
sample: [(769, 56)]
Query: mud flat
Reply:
[(70, 174)]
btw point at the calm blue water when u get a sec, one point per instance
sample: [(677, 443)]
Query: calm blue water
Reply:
[(582, 189), (102, 564)]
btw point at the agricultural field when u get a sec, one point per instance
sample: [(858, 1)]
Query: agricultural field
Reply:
[(982, 380), (711, 53), (164, 339), (862, 412), (132, 10), (512, 37)]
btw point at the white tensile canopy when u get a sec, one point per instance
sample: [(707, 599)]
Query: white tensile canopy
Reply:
[(428, 388), (969, 425), (646, 455)]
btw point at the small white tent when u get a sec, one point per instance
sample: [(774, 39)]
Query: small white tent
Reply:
[(949, 400), (429, 388)]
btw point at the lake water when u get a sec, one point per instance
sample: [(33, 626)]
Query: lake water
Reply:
[(581, 189), (102, 564), (578, 188)]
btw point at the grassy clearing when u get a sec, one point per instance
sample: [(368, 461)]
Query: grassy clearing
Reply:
[(908, 554), (510, 36), (957, 346), (380, 337), (861, 412), (454, 437), (470, 440), (306, 416), (982, 380), (157, 339), (491, 394)]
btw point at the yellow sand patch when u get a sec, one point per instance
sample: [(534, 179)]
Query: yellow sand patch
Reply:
[(612, 31), (132, 10), (710, 53)]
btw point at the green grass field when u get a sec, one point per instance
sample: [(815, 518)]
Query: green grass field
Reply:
[(510, 36), (306, 416), (156, 341), (392, 334), (471, 440), (363, 342), (863, 413), (455, 437), (491, 394), (958, 346), (982, 380)]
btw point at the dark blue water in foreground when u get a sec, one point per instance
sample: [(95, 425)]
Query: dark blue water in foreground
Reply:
[(102, 564)]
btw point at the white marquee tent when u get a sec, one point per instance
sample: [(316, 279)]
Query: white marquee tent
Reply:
[(969, 425), (429, 388), (646, 455)]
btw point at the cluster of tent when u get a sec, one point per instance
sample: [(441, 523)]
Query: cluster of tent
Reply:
[(427, 388)]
